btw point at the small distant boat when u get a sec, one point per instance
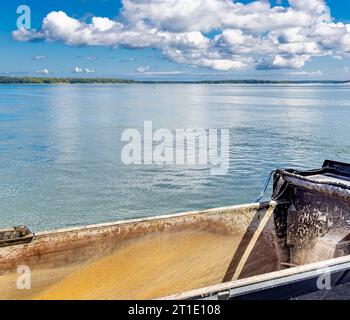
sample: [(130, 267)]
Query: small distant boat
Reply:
[(270, 250)]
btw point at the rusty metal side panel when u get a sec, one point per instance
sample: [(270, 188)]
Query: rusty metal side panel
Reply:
[(62, 247), (315, 209)]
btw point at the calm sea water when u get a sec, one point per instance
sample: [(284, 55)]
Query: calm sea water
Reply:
[(60, 146)]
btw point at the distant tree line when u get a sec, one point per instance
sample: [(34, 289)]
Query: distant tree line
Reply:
[(50, 80)]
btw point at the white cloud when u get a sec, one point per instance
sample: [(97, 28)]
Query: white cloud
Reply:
[(256, 34), (162, 73), (27, 35), (39, 57), (318, 73), (128, 60), (142, 69), (43, 72), (82, 70)]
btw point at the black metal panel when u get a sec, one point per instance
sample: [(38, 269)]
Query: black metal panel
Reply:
[(339, 167), (303, 286)]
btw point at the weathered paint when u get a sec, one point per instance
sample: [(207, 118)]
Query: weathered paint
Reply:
[(54, 255), (63, 260), (316, 208)]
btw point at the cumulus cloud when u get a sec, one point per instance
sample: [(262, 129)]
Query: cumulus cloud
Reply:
[(82, 70), (142, 69), (256, 34), (43, 72)]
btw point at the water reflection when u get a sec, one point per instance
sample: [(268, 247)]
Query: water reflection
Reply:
[(60, 146)]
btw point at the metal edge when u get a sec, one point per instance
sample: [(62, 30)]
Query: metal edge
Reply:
[(43, 234), (210, 291)]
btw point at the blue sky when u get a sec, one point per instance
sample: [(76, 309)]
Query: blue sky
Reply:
[(181, 54)]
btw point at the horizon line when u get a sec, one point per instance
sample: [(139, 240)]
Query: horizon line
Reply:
[(51, 80)]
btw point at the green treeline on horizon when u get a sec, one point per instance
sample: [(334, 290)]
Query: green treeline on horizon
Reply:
[(52, 80), (49, 80)]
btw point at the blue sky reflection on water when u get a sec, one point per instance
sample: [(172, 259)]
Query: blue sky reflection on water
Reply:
[(60, 147)]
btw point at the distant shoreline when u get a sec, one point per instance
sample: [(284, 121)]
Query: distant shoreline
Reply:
[(49, 80)]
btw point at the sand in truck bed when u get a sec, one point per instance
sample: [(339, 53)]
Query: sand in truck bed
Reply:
[(154, 266)]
